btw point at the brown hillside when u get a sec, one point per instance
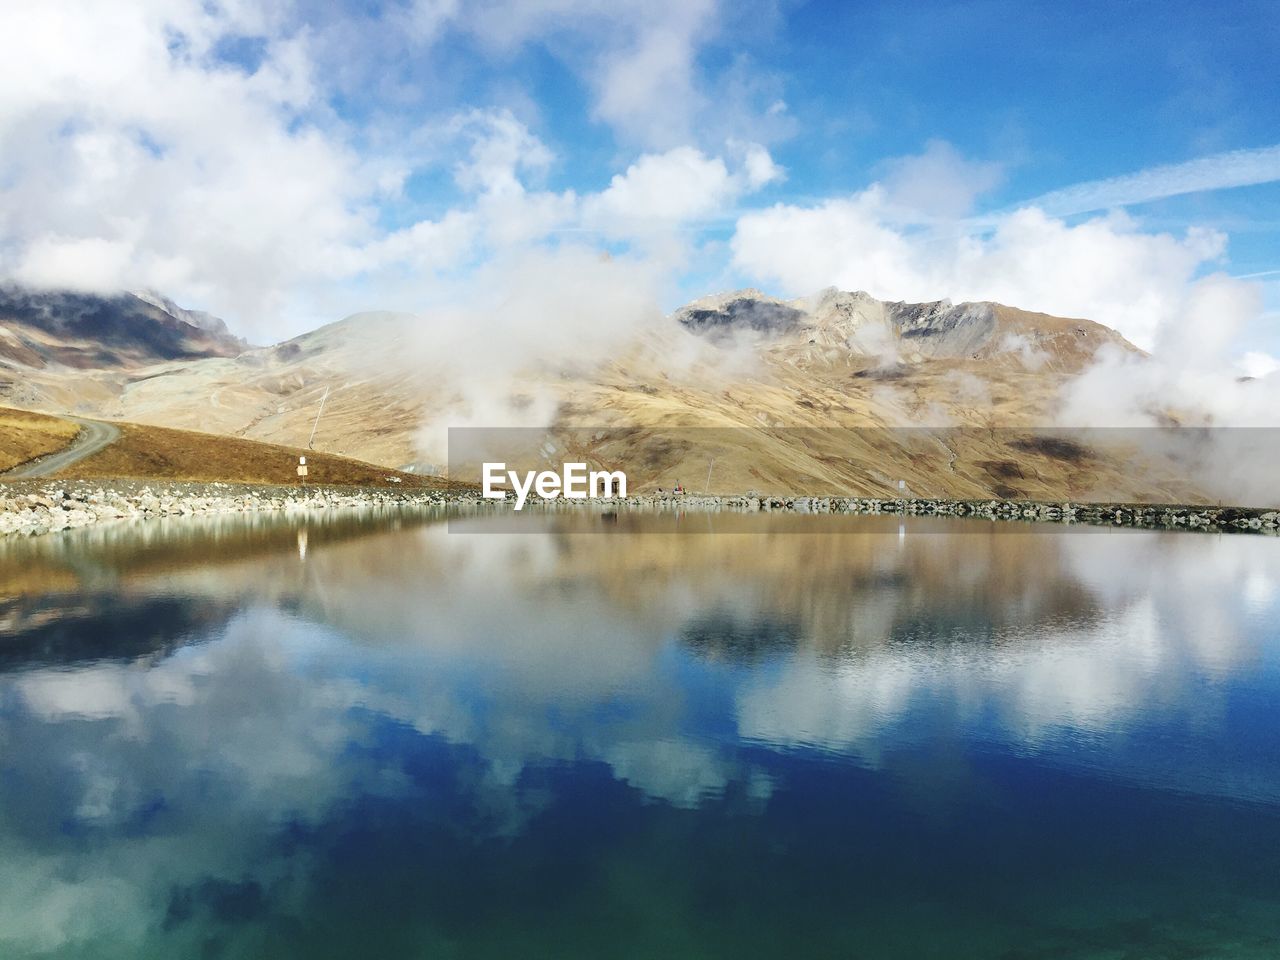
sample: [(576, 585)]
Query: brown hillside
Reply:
[(25, 436), (157, 452), (780, 379)]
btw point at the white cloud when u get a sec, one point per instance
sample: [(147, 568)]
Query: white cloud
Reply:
[(939, 182), (501, 149), (135, 157), (840, 242), (1148, 286), (1190, 380), (1258, 364), (639, 59), (1214, 311), (1237, 168), (646, 87), (759, 168), (76, 263), (427, 19), (675, 187), (1105, 269), (429, 245)]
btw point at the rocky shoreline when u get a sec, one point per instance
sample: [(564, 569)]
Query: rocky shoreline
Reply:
[(1204, 518), (36, 507)]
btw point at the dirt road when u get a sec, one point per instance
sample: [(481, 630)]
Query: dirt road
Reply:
[(93, 436)]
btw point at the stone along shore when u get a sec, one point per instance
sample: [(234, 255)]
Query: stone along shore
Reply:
[(1211, 519), (33, 507)]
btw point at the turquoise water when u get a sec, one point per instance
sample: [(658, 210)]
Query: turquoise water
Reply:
[(393, 737)]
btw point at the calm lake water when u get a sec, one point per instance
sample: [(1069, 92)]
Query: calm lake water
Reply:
[(395, 738)]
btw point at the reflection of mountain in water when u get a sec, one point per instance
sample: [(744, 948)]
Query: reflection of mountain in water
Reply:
[(64, 630), (102, 556), (722, 636), (413, 712), (1051, 631)]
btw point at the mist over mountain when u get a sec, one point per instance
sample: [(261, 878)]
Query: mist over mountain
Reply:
[(836, 392), (897, 332), (765, 385)]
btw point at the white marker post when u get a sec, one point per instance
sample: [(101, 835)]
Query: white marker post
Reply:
[(902, 527), (302, 470)]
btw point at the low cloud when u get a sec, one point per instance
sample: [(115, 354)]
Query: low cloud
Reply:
[(1158, 289), (1258, 364), (538, 312), (1105, 269), (1189, 380)]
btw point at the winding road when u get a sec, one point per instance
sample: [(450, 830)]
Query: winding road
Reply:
[(94, 435)]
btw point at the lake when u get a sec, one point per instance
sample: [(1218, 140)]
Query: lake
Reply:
[(386, 735)]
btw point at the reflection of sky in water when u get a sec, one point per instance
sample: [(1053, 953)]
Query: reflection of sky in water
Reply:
[(205, 756)]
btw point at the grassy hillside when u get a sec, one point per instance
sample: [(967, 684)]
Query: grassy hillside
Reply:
[(161, 453), (167, 454), (842, 399), (25, 436)]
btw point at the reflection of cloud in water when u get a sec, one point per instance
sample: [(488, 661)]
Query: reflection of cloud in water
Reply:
[(1203, 588), (811, 703), (1259, 590), (154, 787), (210, 752), (165, 776), (1084, 679), (1179, 614), (679, 771)]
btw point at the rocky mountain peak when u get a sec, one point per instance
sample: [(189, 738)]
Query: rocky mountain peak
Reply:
[(196, 318), (740, 310), (858, 324), (93, 330)]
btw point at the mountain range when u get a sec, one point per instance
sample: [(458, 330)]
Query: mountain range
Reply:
[(838, 392)]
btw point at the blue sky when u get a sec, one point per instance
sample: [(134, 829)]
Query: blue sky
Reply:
[(285, 163), (1056, 93)]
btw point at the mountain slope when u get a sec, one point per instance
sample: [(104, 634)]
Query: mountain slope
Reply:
[(854, 395), (856, 324), (87, 331), (139, 451), (834, 393), (24, 436)]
